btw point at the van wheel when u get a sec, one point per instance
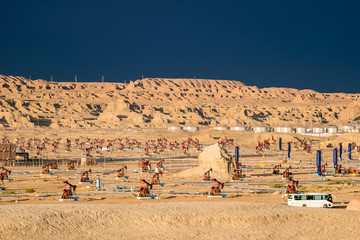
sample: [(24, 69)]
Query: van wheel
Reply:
[(304, 205), (325, 206)]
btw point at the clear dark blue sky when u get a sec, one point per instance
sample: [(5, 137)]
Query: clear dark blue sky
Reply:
[(299, 44)]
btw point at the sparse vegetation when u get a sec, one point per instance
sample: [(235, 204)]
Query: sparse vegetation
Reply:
[(302, 188), (315, 186), (325, 190), (8, 192), (277, 185), (235, 196), (335, 182), (29, 190)]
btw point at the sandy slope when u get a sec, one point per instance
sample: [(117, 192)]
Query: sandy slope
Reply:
[(215, 220)]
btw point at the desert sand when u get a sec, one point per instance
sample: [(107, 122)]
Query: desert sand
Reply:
[(195, 220)]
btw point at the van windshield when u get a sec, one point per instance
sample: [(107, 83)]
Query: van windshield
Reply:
[(329, 198)]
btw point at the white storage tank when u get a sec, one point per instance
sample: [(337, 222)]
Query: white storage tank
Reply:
[(221, 128), (283, 129), (300, 130), (318, 130), (191, 128), (259, 129), (347, 128), (175, 128), (332, 129), (239, 128)]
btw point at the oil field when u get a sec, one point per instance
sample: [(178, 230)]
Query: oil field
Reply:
[(180, 120), (240, 171)]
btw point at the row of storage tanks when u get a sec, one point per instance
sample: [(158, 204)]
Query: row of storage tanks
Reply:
[(196, 128), (258, 129)]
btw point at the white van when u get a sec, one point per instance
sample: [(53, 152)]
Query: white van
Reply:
[(324, 200)]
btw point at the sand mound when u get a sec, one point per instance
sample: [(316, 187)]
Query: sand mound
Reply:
[(217, 158), (354, 205), (193, 220)]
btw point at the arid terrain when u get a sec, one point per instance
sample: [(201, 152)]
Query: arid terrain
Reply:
[(196, 220), (159, 102), (120, 124)]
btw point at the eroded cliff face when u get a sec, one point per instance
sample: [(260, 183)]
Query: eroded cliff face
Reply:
[(159, 102)]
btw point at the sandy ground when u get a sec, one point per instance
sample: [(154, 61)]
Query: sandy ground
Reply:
[(196, 220)]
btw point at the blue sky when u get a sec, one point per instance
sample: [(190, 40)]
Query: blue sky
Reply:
[(298, 44)]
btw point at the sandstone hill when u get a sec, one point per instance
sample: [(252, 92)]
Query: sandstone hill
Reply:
[(159, 102)]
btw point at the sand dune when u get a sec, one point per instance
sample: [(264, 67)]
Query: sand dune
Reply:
[(196, 220)]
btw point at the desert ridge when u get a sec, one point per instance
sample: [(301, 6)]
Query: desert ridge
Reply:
[(161, 102)]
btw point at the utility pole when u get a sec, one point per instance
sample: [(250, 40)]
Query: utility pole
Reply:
[(102, 79), (75, 78), (51, 79)]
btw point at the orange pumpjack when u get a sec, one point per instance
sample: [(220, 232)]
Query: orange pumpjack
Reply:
[(216, 190), (68, 193), (121, 172), (145, 191), (207, 175), (85, 176)]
